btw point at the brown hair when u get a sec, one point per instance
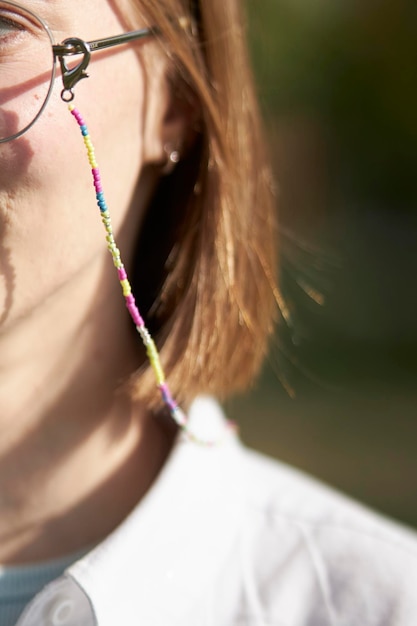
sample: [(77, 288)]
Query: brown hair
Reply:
[(207, 293)]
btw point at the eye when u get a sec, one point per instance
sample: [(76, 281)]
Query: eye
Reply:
[(20, 32), (8, 26)]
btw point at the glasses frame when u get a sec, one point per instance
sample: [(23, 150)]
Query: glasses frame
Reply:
[(73, 46)]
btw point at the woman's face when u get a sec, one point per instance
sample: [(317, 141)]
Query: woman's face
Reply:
[(50, 229)]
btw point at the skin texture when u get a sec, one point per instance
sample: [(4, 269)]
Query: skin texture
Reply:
[(68, 438)]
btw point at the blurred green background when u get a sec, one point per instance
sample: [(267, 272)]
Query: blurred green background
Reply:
[(338, 396)]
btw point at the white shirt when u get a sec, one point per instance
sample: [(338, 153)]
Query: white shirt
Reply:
[(226, 537)]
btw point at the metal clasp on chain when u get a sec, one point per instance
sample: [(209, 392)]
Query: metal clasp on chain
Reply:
[(71, 76)]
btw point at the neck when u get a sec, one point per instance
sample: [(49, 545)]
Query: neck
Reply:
[(75, 452)]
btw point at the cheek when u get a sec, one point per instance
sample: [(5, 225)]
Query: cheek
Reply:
[(50, 224)]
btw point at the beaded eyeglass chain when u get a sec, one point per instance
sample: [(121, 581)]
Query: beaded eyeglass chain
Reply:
[(177, 414)]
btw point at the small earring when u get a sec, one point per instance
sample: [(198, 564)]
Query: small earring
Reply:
[(173, 158)]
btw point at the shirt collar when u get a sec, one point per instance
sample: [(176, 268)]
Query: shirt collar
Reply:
[(154, 567)]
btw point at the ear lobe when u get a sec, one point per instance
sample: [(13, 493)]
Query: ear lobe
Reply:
[(172, 124)]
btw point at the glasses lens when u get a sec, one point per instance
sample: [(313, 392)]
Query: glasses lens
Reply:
[(26, 69)]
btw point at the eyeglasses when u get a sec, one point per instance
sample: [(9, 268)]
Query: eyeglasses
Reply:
[(28, 58)]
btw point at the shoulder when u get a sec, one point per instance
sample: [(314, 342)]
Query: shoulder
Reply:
[(303, 539)]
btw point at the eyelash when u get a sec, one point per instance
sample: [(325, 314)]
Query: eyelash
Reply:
[(9, 28), (12, 30)]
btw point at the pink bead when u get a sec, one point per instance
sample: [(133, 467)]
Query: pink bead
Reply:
[(134, 312), (122, 276)]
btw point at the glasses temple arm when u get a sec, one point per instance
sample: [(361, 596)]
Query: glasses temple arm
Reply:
[(70, 46), (108, 42)]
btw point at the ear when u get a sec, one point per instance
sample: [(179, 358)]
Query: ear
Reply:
[(172, 121)]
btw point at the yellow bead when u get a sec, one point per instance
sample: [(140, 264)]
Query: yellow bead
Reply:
[(126, 287), (159, 375), (155, 363)]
